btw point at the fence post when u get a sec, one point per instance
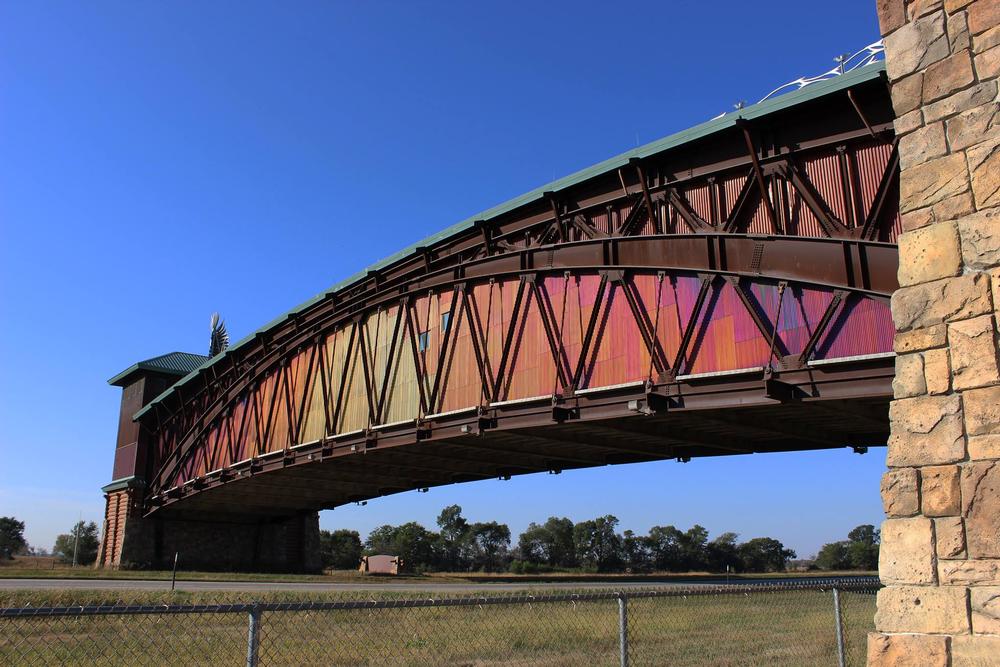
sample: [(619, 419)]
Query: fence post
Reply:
[(841, 658), (253, 636), (623, 629)]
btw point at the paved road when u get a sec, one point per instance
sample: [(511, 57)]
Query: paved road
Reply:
[(442, 587)]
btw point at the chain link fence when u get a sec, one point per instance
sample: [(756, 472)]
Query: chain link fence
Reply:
[(818, 623)]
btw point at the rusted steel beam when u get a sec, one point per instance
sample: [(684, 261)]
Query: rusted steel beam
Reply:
[(479, 345), (646, 329), (680, 358), (650, 211), (683, 208), (764, 192), (890, 179), (765, 327), (838, 297), (417, 359), (589, 334), (442, 353), (390, 360), (325, 381), (581, 223), (553, 333), (833, 227), (367, 373), (515, 321), (345, 376), (633, 218), (861, 114)]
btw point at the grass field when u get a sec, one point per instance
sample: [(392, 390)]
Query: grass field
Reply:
[(45, 567), (765, 628)]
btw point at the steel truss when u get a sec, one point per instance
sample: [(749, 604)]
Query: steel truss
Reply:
[(746, 229)]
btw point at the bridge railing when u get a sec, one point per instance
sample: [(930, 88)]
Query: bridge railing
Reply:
[(814, 623)]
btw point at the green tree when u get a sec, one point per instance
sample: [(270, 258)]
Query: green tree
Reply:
[(533, 544), (636, 552), (11, 537), (858, 552), (693, 545), (597, 544), (764, 554), (723, 552), (490, 544), (551, 543), (665, 549), (340, 549), (82, 538), (834, 556), (453, 539)]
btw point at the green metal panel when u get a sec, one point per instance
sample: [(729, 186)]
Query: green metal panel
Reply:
[(174, 363)]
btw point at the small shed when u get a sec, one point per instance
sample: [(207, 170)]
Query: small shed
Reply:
[(380, 564)]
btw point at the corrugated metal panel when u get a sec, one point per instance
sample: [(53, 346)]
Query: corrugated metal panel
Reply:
[(871, 160), (700, 199), (824, 172)]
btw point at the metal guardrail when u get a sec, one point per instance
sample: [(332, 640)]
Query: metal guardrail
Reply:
[(635, 620)]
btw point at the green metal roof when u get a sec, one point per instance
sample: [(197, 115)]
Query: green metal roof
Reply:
[(726, 121), (172, 363)]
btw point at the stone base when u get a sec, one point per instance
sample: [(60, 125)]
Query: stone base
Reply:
[(230, 544)]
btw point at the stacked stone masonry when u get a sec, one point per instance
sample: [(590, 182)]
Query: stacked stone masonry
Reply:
[(940, 556)]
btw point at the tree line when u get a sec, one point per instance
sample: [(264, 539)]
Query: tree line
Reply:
[(81, 540), (558, 544), (594, 545)]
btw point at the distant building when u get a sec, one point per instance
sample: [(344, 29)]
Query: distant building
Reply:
[(380, 564)]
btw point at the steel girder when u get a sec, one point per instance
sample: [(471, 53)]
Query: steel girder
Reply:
[(741, 223)]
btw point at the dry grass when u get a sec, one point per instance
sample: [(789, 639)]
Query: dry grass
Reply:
[(40, 567), (767, 628)]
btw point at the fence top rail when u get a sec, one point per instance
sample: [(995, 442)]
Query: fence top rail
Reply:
[(853, 584)]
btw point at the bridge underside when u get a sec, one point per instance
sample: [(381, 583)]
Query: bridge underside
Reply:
[(823, 407)]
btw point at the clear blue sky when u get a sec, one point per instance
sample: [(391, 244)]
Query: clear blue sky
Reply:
[(160, 161)]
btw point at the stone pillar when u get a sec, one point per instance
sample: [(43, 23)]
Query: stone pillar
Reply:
[(940, 556)]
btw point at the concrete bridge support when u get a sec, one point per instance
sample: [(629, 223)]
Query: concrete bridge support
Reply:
[(941, 540)]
